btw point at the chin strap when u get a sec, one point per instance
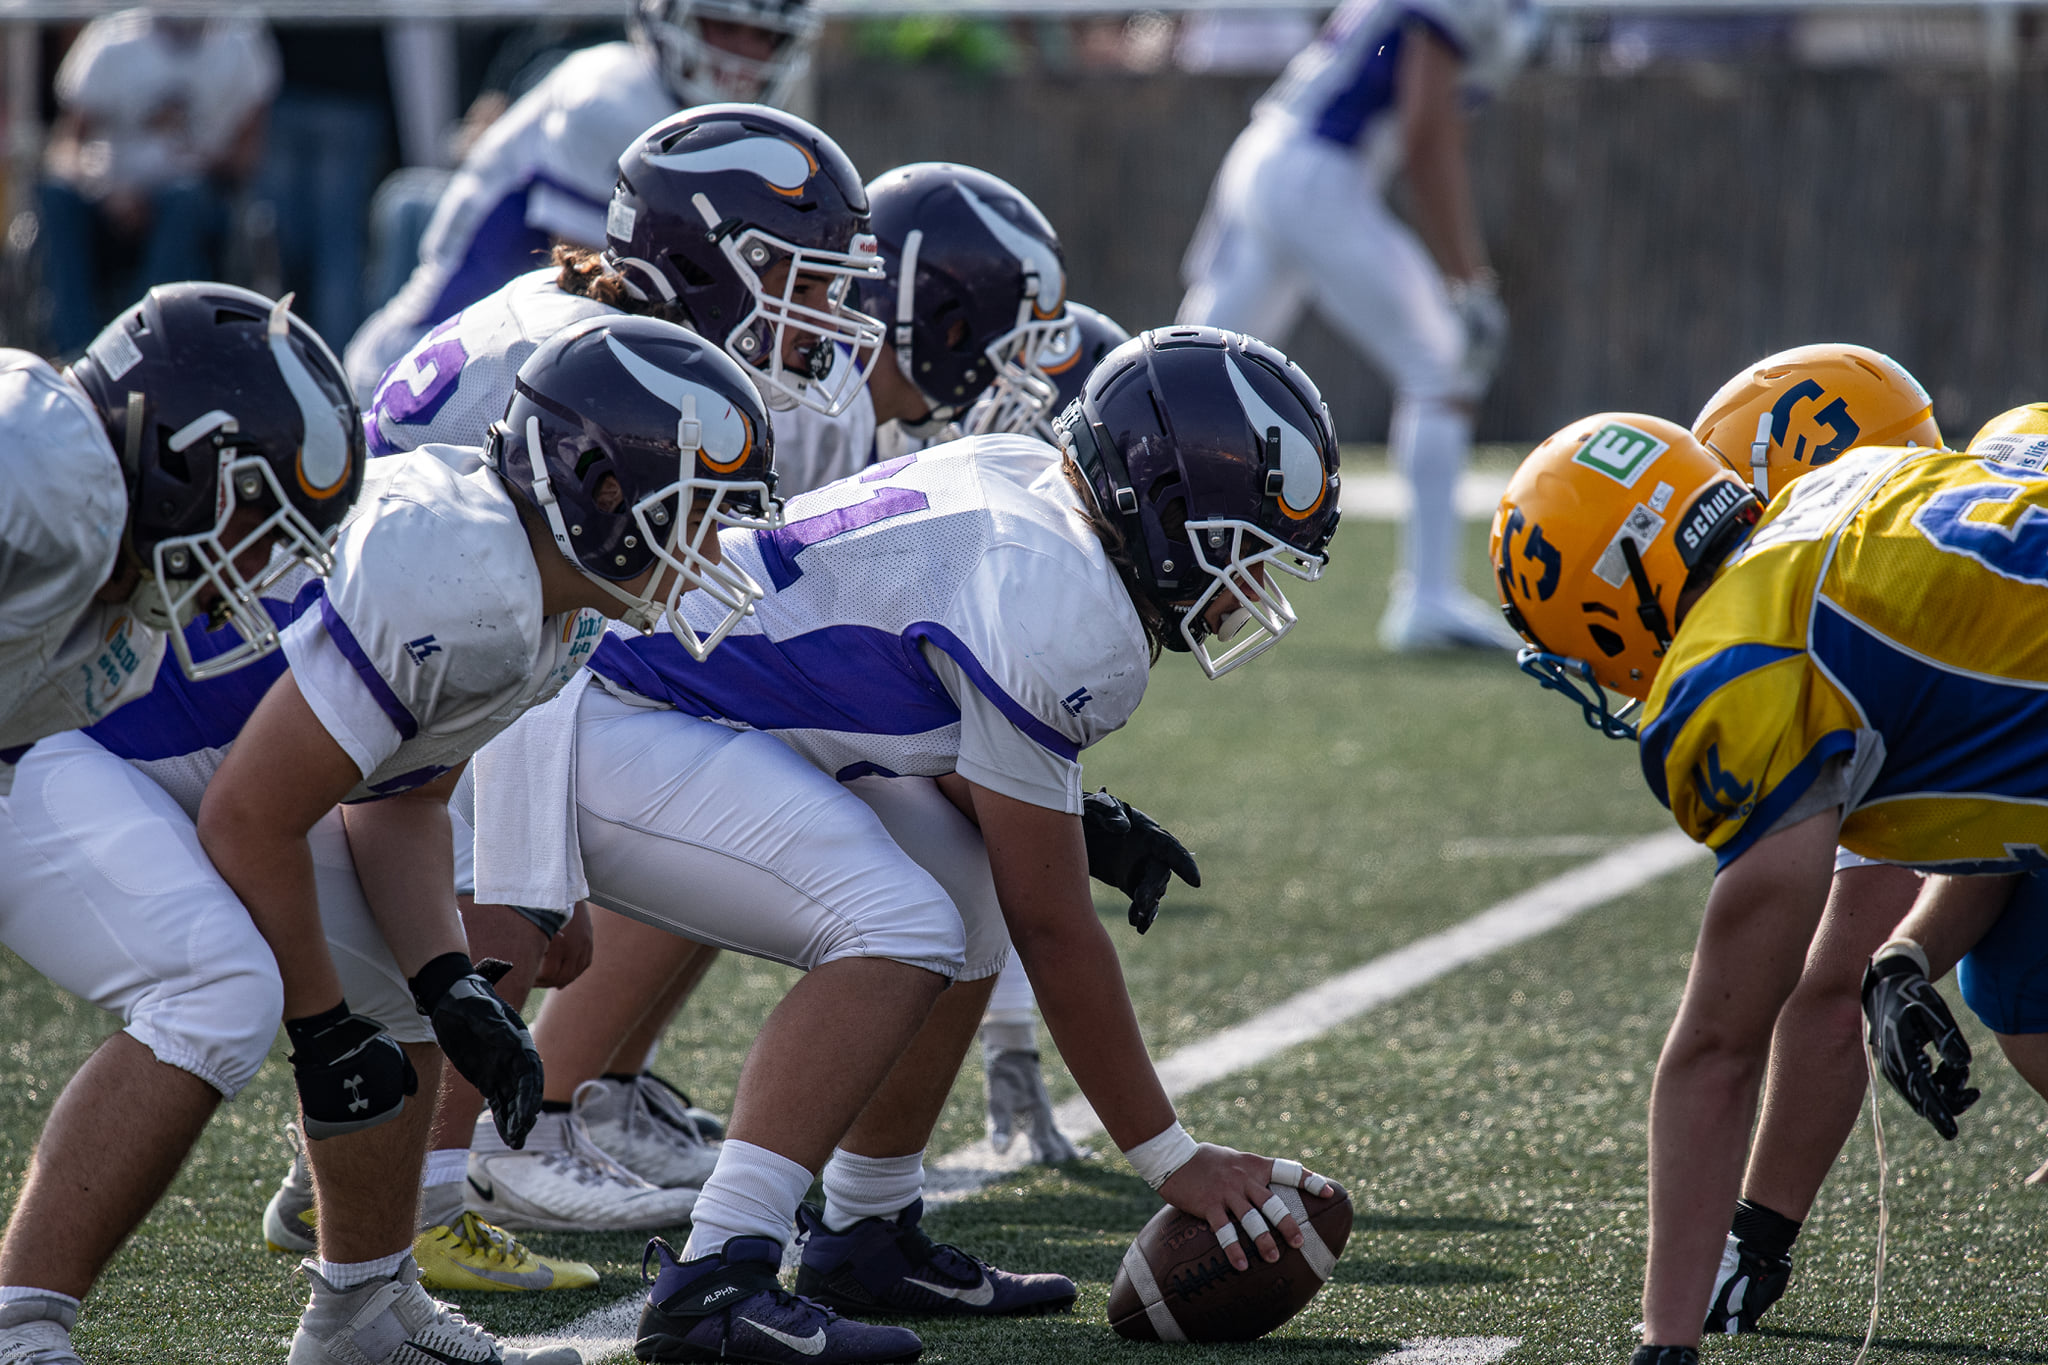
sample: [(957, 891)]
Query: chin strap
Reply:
[(641, 614), (1647, 606)]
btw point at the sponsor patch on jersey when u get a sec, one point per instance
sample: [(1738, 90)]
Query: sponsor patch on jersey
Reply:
[(1813, 504), (419, 649), (2013, 455), (1641, 526), (1075, 700), (1621, 452)]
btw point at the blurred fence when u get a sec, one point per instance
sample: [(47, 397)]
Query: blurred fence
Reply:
[(1653, 232)]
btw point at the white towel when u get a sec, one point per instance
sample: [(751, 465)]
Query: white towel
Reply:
[(527, 849)]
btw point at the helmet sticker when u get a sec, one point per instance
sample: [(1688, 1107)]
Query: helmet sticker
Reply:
[(1301, 472), (1621, 452), (115, 352), (721, 441), (1038, 257), (1642, 526), (619, 219), (324, 454), (785, 166)]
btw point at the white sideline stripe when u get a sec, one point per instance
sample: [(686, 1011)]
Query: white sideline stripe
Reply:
[(1299, 1019), (1534, 846), (1385, 497), (1452, 1351)]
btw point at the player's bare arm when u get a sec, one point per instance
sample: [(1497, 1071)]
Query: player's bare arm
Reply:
[(1433, 143)]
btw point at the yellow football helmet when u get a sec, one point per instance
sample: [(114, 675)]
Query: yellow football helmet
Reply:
[(1819, 401), (2028, 419), (1600, 530)]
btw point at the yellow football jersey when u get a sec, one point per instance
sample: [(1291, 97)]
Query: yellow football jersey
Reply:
[(1890, 610)]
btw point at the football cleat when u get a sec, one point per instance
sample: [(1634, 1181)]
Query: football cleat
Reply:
[(562, 1182), (658, 1143), (889, 1265), (395, 1322), (730, 1307), (1450, 621), (470, 1254), (1749, 1283), (673, 1102), (37, 1331), (289, 1222)]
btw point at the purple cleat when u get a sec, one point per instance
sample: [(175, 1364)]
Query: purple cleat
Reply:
[(730, 1307), (882, 1265)]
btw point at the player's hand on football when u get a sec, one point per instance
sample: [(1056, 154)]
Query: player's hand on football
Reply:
[(1232, 1190), (569, 951), (1134, 853), (350, 1073), (484, 1039), (1906, 1017)]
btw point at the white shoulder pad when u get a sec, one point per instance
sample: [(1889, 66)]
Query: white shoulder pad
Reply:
[(600, 99)]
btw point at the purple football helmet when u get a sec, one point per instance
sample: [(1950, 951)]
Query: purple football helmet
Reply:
[(698, 71), (975, 284), (1214, 454), (1065, 363), (711, 200), (216, 399), (618, 430)]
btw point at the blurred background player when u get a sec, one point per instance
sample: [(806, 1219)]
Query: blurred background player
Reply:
[(1298, 217), (227, 413), (543, 172), (161, 121)]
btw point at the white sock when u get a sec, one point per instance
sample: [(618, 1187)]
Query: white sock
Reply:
[(445, 1166), (752, 1192), (858, 1187), (15, 1293), (346, 1275), (1012, 995), (1429, 442)]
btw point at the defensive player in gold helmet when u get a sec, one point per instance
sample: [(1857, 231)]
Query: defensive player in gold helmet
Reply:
[(1800, 409), (2028, 419), (1600, 534)]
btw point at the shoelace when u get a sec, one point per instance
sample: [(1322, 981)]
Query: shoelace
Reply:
[(587, 1161), (668, 1102), (918, 1245), (490, 1241)]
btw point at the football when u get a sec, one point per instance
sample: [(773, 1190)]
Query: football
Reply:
[(1176, 1284)]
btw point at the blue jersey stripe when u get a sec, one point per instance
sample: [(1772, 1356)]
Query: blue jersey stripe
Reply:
[(1944, 731), (180, 716), (956, 649), (1694, 688), (1784, 795), (345, 641)]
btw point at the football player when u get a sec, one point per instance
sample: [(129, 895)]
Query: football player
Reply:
[(1774, 422), (205, 444), (1298, 216), (943, 634), (542, 173), (1861, 669), (456, 601)]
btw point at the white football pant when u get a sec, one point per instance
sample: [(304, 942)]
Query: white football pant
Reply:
[(730, 838), (1296, 220)]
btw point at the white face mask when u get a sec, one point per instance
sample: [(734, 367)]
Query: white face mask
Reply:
[(1247, 561)]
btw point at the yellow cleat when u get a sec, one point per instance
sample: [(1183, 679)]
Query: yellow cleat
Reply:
[(473, 1254)]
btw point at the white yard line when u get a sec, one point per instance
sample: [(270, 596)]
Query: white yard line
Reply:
[(1385, 497), (1299, 1019), (1533, 846)]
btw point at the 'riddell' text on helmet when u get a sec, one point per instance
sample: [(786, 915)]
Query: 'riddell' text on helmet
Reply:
[(219, 402), (1601, 530), (713, 202), (637, 441), (1213, 454)]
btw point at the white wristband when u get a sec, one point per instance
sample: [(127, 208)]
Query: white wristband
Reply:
[(1903, 947), (1157, 1158)]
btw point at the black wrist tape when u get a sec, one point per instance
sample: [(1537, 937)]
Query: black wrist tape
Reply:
[(304, 1030)]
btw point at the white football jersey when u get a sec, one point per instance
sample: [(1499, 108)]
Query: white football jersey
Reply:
[(65, 660), (812, 450), (1341, 86), (457, 381), (545, 169), (425, 641), (951, 611)]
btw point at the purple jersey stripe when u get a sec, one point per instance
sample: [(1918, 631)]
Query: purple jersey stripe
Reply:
[(1017, 713), (345, 641)]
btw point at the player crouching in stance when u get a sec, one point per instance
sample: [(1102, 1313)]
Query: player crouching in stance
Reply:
[(205, 439), (1849, 673), (945, 634)]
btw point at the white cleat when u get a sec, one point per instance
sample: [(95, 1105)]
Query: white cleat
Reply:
[(563, 1182), (288, 1220), (654, 1141), (1443, 621), (395, 1322), (37, 1332)]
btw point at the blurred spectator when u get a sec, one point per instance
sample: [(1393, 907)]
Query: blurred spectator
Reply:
[(161, 121), (328, 136)]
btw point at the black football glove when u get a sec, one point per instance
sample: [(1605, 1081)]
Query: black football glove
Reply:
[(484, 1038), (351, 1074), (1665, 1355), (1132, 852), (1906, 1016)]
